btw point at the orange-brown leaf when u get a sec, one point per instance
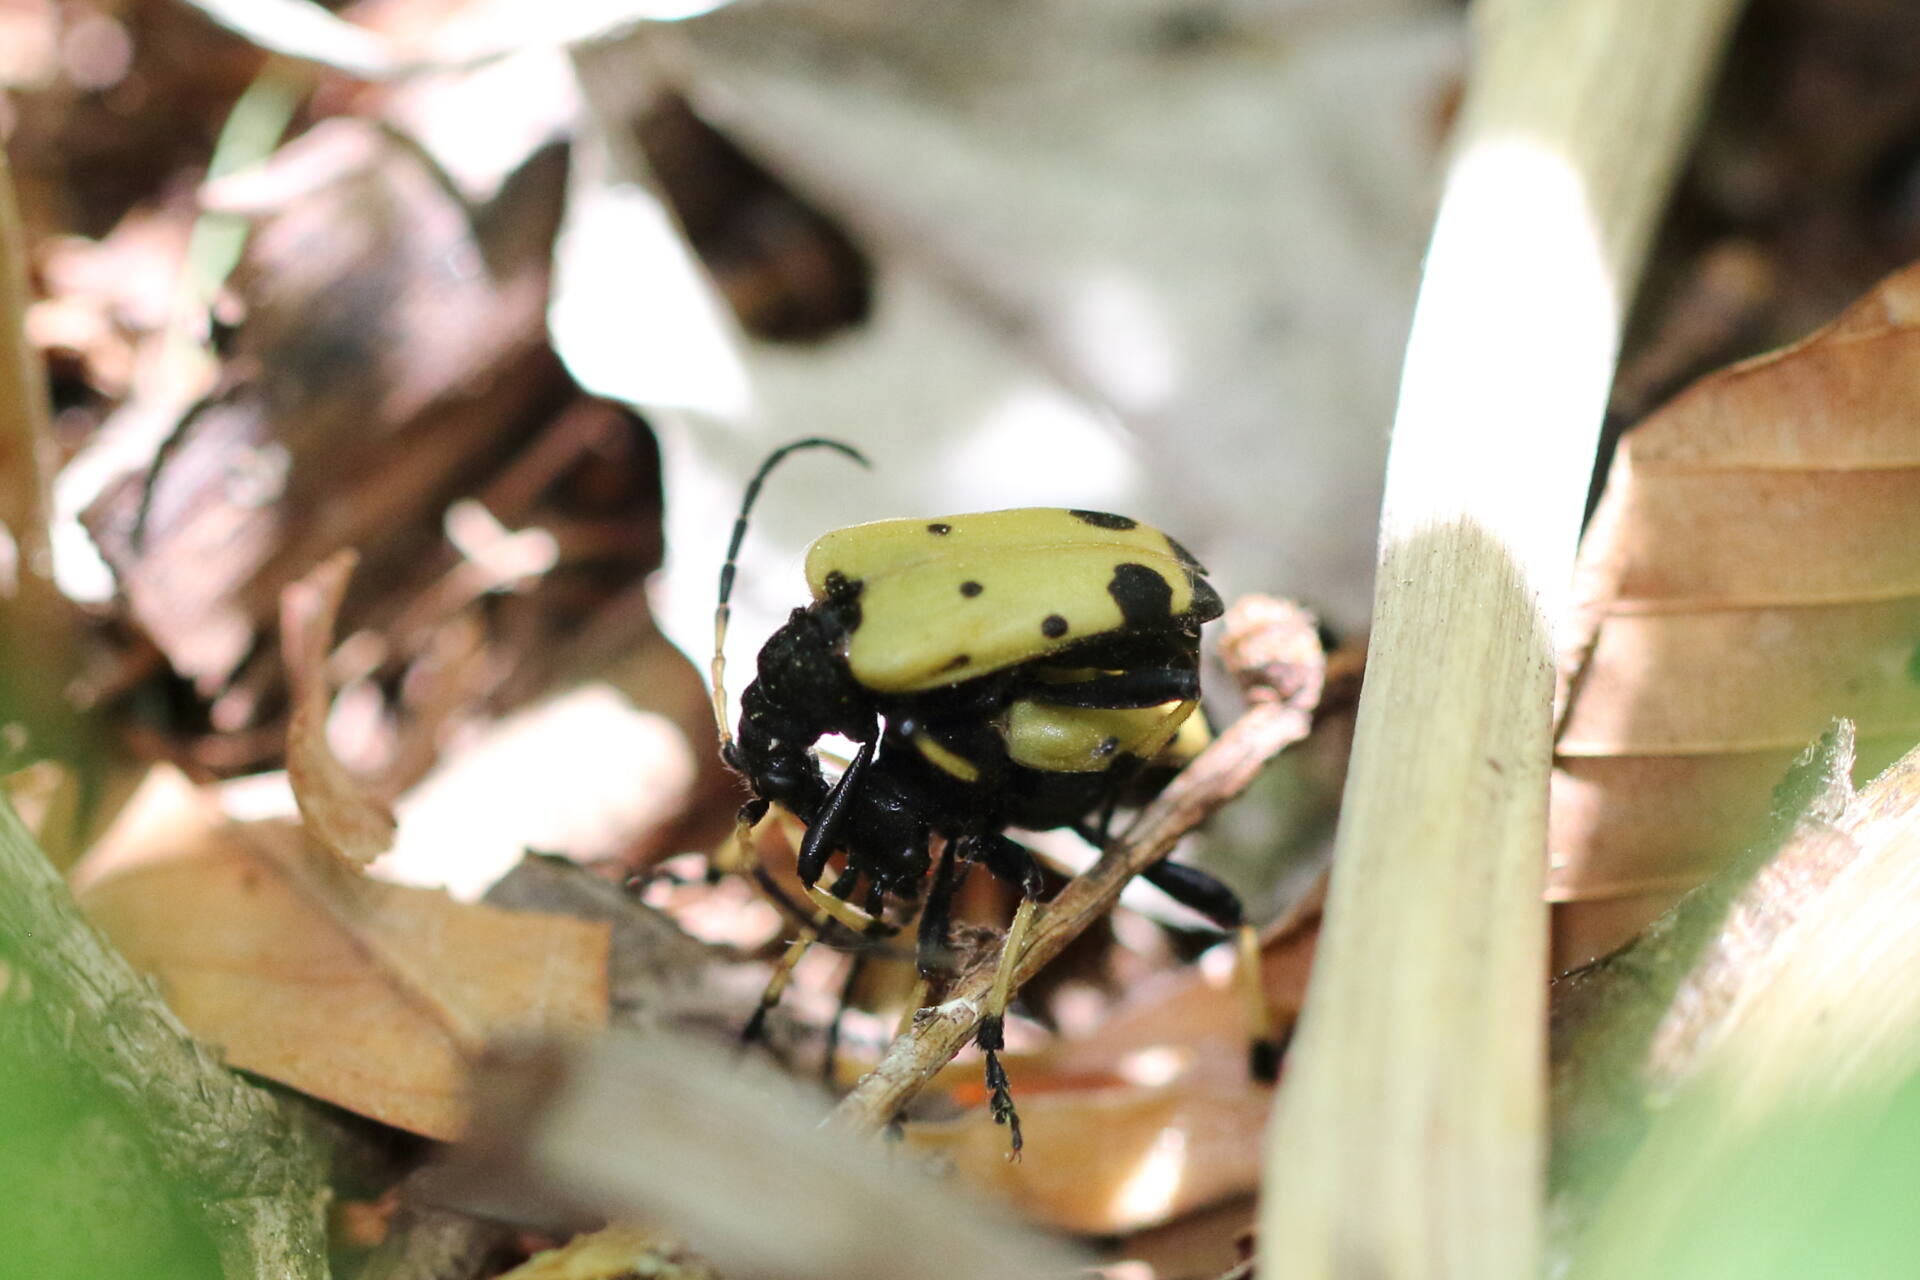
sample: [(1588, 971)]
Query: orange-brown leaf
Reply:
[(1148, 1117), (1754, 572), (368, 995), (339, 809), (1113, 1155)]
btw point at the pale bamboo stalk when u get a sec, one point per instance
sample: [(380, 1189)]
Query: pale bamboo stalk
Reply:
[(1408, 1134)]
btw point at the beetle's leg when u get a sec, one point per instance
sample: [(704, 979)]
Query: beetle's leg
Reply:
[(810, 932), (874, 904), (1012, 862), (819, 843), (1100, 833), (1194, 888), (736, 855), (776, 893), (829, 1059), (846, 913), (777, 983), (932, 954), (836, 903), (1145, 687), (841, 890)]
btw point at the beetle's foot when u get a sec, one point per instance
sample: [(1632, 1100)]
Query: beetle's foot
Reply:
[(1266, 1042), (1264, 1055), (991, 1039), (756, 1029)]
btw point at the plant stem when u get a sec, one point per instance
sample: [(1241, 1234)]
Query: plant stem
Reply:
[(1408, 1135), (231, 1144)]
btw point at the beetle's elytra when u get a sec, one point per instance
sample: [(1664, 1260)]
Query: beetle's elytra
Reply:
[(1032, 668)]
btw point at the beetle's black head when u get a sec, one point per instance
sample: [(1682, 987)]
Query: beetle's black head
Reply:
[(803, 680)]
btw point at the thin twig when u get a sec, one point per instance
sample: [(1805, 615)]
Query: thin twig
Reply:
[(39, 647), (231, 1144), (1274, 651), (25, 441)]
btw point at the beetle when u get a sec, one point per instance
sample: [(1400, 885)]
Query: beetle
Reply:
[(1031, 668)]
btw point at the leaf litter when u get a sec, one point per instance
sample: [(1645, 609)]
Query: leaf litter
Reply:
[(1783, 483)]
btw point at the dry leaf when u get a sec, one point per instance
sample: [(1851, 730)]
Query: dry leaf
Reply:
[(339, 810), (615, 1253), (1108, 1154), (370, 996), (1753, 573)]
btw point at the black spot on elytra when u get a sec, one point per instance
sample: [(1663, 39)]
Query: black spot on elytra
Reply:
[(1054, 627), (958, 661), (939, 530), (971, 589), (1104, 519), (1206, 605), (1144, 597), (1107, 747)]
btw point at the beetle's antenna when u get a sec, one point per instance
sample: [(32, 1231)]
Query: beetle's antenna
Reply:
[(723, 612)]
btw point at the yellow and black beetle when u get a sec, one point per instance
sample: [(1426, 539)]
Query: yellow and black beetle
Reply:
[(1023, 668)]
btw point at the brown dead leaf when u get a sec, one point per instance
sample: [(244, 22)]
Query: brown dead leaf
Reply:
[(1753, 573), (1146, 1118), (368, 995), (1108, 1154), (340, 811)]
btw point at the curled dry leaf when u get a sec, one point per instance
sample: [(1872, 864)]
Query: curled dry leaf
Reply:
[(1752, 573), (370, 996), (339, 810)]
